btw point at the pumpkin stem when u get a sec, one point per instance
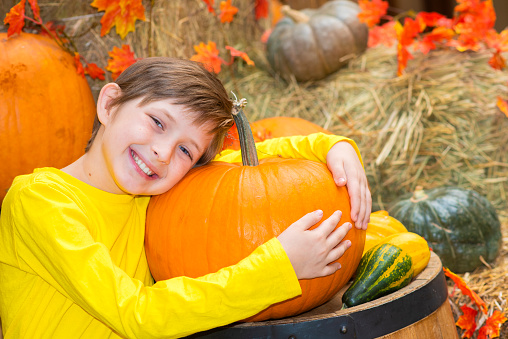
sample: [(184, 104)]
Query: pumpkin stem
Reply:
[(247, 144), (295, 15), (418, 195)]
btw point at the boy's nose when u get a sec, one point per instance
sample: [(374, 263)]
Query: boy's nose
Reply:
[(163, 154)]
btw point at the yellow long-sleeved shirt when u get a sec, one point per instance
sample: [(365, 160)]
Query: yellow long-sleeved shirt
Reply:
[(72, 263)]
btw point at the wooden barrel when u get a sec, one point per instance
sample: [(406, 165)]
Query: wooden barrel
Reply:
[(417, 311)]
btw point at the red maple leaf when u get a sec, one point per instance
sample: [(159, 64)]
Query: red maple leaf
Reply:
[(384, 34), (15, 18), (79, 66), (120, 13), (243, 55), (94, 71), (35, 9), (227, 11), (438, 34), (208, 55), (497, 61), (433, 19), (209, 5), (119, 60), (261, 9), (467, 321), (498, 41), (372, 11), (502, 105), (492, 325), (473, 21), (466, 290)]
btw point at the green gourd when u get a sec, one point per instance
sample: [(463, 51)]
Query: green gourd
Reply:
[(383, 269), (459, 224)]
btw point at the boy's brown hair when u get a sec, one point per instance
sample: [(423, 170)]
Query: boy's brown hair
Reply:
[(188, 84)]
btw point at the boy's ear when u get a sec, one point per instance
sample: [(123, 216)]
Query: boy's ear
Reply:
[(107, 94)]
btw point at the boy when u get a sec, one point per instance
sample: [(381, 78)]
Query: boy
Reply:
[(72, 261)]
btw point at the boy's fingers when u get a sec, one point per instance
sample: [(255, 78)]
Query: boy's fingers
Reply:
[(329, 224), (354, 197), (338, 235), (309, 220), (330, 269), (338, 173), (338, 251)]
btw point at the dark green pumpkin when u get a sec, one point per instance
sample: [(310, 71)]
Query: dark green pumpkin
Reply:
[(383, 269), (312, 43), (459, 224)]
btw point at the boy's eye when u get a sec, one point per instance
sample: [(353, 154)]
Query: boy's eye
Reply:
[(157, 122), (184, 150)]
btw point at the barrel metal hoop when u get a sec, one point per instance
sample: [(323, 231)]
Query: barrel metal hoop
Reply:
[(365, 324)]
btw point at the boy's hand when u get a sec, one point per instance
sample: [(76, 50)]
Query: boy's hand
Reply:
[(347, 170), (313, 252)]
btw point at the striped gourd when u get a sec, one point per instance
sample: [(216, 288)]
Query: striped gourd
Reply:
[(384, 269), (414, 245)]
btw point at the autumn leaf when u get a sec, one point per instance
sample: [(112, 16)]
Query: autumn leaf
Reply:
[(433, 19), (467, 321), (261, 9), (384, 34), (497, 61), (120, 13), (266, 35), (209, 5), (208, 55), (79, 66), (55, 30), (372, 11), (15, 18), (438, 34), (243, 55), (227, 11), (35, 9), (466, 290), (502, 105), (120, 59), (94, 71), (497, 41), (492, 325)]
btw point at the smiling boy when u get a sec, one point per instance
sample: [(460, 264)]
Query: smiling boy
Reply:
[(72, 258)]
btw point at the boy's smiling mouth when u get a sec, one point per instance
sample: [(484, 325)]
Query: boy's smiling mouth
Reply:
[(141, 164)]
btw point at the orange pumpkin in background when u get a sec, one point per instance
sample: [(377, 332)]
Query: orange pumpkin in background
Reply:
[(238, 208), (274, 127), (46, 108)]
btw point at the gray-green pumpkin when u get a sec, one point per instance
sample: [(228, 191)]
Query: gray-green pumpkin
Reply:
[(459, 224), (313, 43)]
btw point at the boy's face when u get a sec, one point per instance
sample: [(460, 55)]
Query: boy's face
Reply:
[(148, 149)]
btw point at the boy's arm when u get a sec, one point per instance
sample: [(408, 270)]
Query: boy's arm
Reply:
[(312, 147), (57, 246)]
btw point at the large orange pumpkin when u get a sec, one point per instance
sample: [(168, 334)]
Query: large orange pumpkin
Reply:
[(46, 108), (239, 208), (274, 127)]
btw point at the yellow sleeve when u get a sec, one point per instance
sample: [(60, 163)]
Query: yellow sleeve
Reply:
[(51, 239), (312, 147)]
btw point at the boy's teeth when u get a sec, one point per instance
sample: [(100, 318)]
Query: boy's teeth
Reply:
[(141, 164)]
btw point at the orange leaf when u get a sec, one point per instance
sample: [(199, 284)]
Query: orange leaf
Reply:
[(466, 290), (261, 9), (384, 34), (119, 60), (438, 34), (15, 18), (227, 11), (243, 55), (94, 71), (79, 66), (502, 105), (372, 11), (209, 5), (498, 41), (208, 55), (467, 321), (433, 19), (407, 33), (35, 9), (120, 13), (266, 35), (497, 61), (492, 325), (403, 56)]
